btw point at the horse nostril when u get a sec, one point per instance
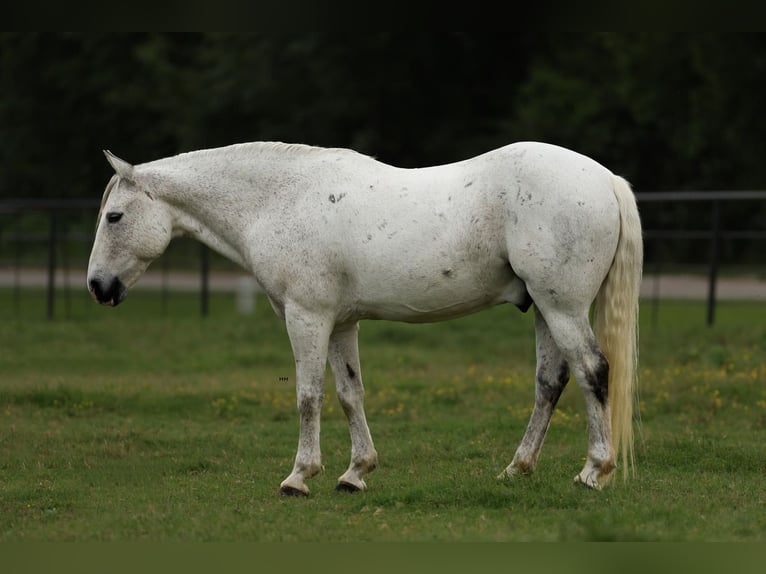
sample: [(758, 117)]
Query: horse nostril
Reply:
[(95, 288), (110, 293)]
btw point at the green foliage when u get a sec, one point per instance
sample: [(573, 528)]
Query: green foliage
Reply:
[(667, 110), (131, 424)]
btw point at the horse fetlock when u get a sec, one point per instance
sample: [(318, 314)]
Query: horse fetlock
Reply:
[(366, 464), (364, 459), (595, 474), (310, 470)]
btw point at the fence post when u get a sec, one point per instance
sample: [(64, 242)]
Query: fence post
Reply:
[(17, 271), (51, 295), (715, 240), (164, 292), (204, 280), (656, 294)]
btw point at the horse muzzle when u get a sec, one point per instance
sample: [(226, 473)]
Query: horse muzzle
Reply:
[(110, 293)]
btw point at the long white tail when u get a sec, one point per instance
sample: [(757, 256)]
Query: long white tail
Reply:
[(616, 324)]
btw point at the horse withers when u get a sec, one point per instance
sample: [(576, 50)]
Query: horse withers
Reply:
[(334, 237)]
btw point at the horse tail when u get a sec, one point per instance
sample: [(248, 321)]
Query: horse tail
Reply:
[(616, 324)]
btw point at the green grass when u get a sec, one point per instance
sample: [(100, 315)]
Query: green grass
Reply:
[(136, 423)]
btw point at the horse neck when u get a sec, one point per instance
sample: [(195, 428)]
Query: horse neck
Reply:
[(214, 236), (214, 210), (218, 195)]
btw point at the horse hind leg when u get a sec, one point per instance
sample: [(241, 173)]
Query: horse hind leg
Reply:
[(552, 375), (344, 361), (573, 335)]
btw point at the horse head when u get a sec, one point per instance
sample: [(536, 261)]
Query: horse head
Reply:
[(133, 229)]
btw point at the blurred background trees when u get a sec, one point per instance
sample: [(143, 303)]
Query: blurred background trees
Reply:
[(667, 111)]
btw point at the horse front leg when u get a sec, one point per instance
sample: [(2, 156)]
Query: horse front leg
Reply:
[(344, 360), (309, 334)]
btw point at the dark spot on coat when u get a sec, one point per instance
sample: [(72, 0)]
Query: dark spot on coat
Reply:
[(550, 389), (447, 272), (598, 380), (469, 184), (332, 198), (350, 371)]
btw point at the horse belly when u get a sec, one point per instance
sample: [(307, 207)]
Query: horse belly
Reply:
[(429, 293)]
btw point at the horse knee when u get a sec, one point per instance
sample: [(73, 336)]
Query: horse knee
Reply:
[(310, 402)]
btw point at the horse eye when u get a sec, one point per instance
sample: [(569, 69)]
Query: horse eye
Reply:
[(113, 216)]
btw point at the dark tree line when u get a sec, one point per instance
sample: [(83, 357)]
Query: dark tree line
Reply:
[(668, 111)]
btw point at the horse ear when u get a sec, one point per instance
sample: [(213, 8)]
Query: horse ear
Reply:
[(120, 166)]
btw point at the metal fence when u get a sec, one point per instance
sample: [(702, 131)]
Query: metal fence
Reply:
[(714, 235), (45, 243), (54, 237)]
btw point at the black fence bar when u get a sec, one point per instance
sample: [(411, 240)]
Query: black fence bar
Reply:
[(204, 280), (715, 242), (51, 291), (15, 205), (730, 195)]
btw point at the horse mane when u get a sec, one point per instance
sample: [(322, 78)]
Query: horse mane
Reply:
[(259, 148), (275, 148)]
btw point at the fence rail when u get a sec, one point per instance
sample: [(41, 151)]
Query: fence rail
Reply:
[(56, 211), (54, 208), (714, 234)]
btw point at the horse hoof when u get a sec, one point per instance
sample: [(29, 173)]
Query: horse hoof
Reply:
[(588, 482), (291, 491), (506, 476), (513, 471), (347, 487)]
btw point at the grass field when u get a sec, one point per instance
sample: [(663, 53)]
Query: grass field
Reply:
[(142, 424)]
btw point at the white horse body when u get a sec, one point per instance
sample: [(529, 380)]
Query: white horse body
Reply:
[(333, 237)]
